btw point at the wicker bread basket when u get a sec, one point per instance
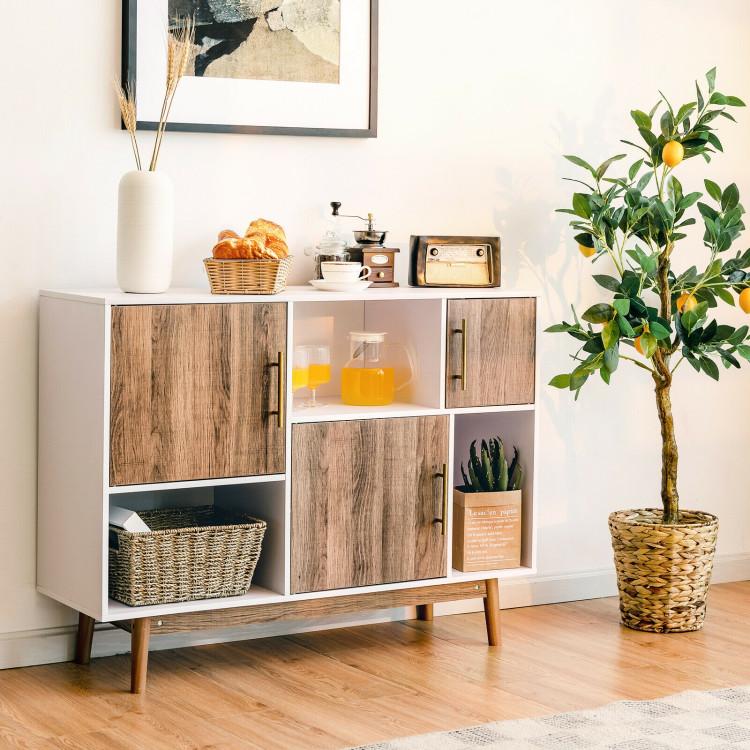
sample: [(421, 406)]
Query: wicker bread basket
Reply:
[(663, 570), (191, 553), (247, 276)]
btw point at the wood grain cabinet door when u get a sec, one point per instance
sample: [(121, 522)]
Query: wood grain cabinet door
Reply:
[(495, 364), (365, 496), (194, 392)]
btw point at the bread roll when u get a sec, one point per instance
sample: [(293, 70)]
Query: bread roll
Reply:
[(266, 227)]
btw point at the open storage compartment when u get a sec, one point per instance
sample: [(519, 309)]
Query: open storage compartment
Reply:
[(516, 429), (415, 324), (262, 500)]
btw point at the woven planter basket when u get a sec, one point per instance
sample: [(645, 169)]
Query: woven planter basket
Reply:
[(663, 570), (247, 276), (192, 553)]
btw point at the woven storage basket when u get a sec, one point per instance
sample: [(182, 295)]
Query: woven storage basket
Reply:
[(192, 553), (247, 276), (663, 570)]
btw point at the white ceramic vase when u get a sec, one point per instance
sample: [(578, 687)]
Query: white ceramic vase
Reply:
[(145, 232)]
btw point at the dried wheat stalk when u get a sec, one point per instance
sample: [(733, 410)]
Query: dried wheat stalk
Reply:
[(126, 99), (179, 56)]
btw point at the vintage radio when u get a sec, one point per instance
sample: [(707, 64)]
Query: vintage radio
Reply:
[(454, 261)]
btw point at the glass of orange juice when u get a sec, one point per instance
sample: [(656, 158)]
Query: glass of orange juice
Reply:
[(319, 369), (300, 368)]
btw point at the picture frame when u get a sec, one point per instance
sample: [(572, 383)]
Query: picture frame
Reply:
[(352, 108)]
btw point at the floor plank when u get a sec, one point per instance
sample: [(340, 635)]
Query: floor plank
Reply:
[(337, 688)]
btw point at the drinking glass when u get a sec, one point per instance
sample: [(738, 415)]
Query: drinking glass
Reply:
[(300, 368), (319, 369)]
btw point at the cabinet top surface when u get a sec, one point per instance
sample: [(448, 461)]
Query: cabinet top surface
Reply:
[(291, 294)]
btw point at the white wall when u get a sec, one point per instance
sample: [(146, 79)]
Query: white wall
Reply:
[(478, 100)]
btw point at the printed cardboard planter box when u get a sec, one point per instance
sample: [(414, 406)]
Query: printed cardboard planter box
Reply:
[(486, 530)]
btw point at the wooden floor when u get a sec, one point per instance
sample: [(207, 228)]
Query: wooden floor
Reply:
[(340, 688)]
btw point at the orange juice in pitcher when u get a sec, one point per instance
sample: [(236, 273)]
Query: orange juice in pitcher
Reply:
[(369, 377)]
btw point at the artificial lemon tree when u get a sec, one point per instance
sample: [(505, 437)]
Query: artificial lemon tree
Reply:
[(658, 317)]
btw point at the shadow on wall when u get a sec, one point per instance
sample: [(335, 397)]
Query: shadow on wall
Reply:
[(539, 245)]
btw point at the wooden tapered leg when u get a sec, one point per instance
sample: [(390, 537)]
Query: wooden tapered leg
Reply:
[(84, 638), (139, 637), (424, 612), (492, 612)]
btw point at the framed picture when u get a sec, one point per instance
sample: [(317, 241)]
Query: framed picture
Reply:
[(283, 67)]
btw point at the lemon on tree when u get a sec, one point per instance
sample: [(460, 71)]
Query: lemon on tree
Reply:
[(672, 153)]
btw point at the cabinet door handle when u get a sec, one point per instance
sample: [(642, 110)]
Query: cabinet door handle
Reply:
[(462, 376), (443, 520), (280, 387)]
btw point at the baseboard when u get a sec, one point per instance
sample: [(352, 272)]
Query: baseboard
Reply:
[(49, 645)]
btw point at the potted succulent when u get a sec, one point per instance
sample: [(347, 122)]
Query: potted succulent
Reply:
[(656, 318), (487, 510)]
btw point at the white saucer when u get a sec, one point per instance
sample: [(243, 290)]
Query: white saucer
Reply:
[(340, 286)]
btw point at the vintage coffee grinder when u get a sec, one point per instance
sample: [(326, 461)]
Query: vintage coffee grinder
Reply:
[(369, 250)]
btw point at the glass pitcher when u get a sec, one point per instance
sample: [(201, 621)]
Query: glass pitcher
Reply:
[(375, 370)]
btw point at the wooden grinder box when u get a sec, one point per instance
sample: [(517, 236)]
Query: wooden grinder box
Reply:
[(486, 530)]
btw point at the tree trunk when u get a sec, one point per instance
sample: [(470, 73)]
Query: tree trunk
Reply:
[(669, 497), (670, 500)]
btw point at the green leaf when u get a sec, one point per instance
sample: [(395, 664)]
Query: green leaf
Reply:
[(605, 375), (622, 306), (734, 101), (659, 331), (688, 200), (713, 189), (611, 360), (599, 313), (634, 169), (579, 162), (608, 282), (641, 119), (648, 136), (625, 328), (581, 205), (684, 111), (667, 124), (648, 344), (730, 197), (577, 378), (584, 239), (711, 78), (744, 350), (717, 98), (605, 165), (610, 334), (724, 295), (699, 96), (709, 367)]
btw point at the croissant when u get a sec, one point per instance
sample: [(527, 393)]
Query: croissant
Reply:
[(279, 247), (226, 234), (266, 227), (238, 247)]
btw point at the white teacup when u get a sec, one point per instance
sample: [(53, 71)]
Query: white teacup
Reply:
[(347, 271)]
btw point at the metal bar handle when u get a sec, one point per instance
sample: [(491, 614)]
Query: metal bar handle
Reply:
[(462, 376), (280, 385), (444, 519)]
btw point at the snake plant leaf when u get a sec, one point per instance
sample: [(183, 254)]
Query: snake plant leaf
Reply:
[(517, 479), (512, 468)]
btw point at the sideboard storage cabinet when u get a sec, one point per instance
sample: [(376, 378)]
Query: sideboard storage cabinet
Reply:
[(185, 399)]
